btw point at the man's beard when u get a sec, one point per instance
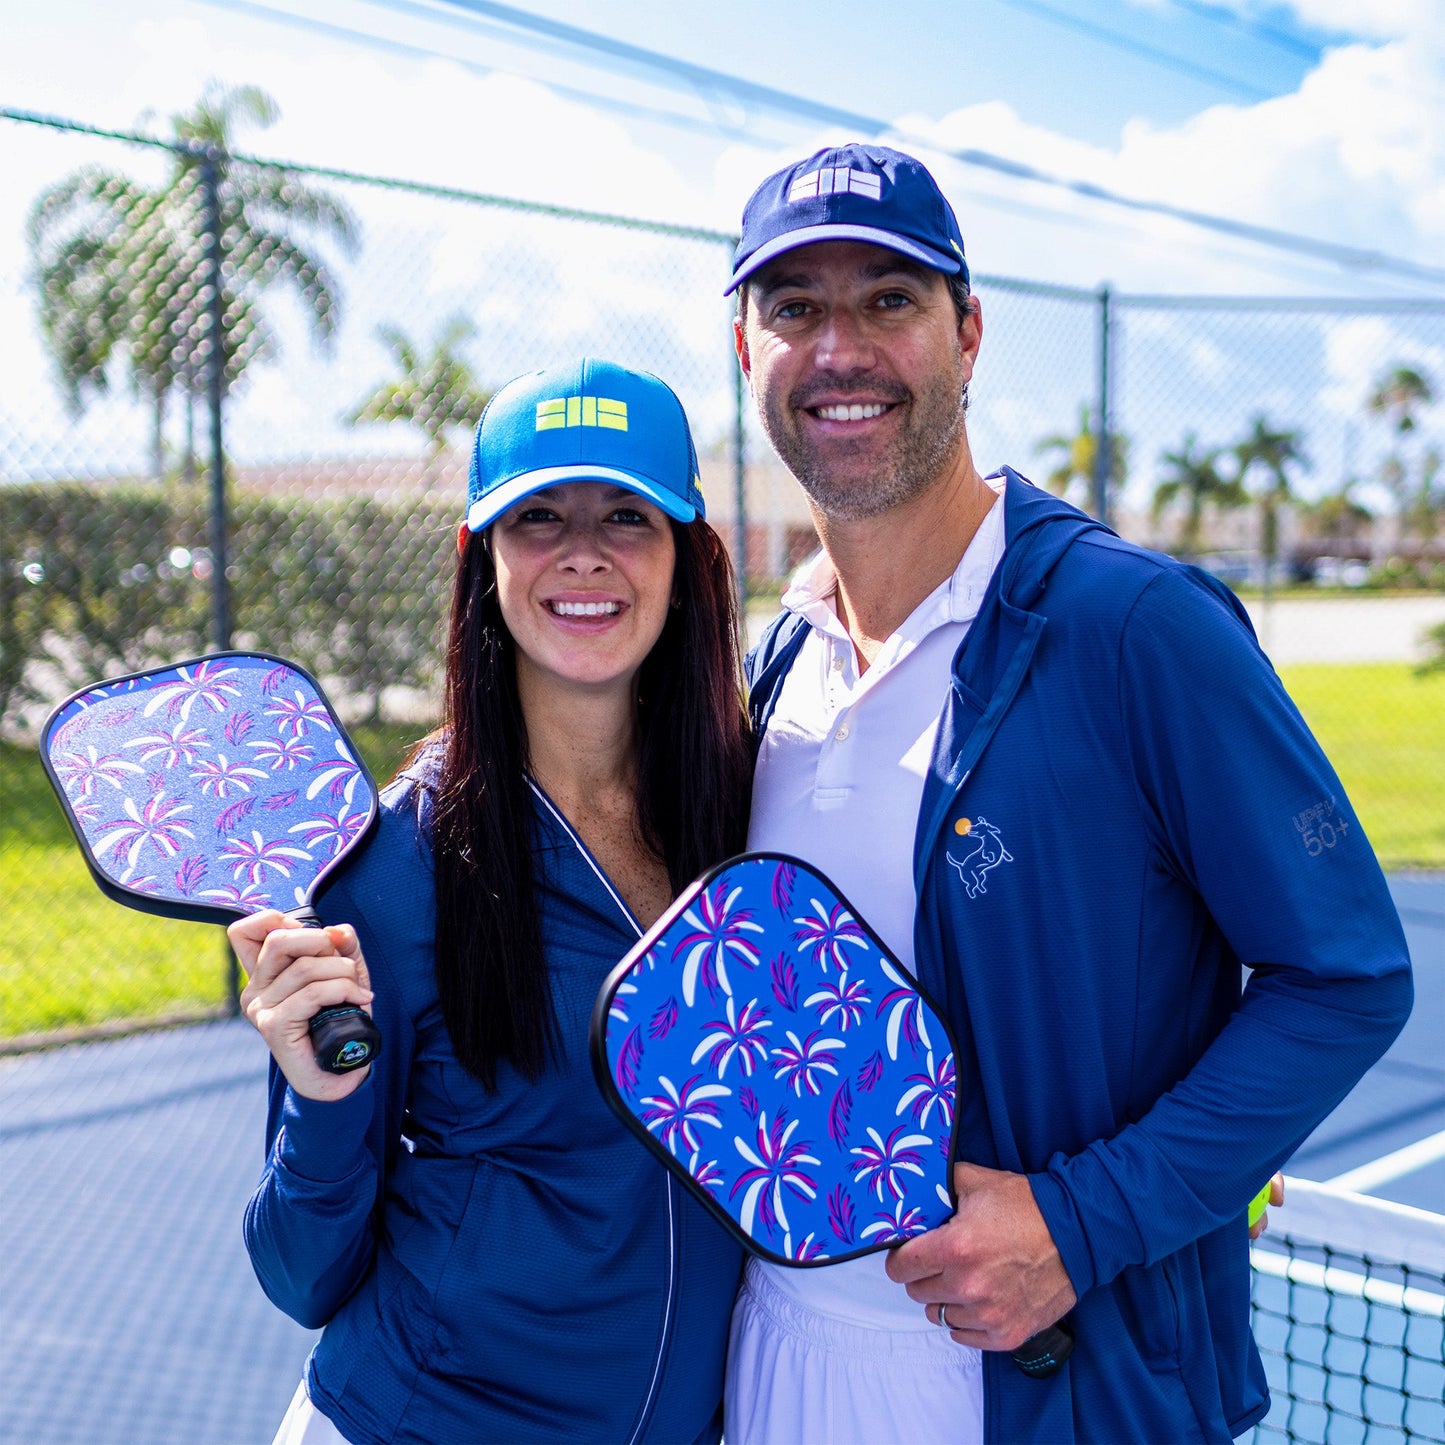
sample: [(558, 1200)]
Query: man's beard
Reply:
[(853, 484)]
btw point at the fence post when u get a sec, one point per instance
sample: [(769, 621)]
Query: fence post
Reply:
[(739, 479), (215, 391), (1103, 453)]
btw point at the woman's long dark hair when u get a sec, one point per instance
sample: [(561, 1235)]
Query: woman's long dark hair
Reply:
[(694, 788)]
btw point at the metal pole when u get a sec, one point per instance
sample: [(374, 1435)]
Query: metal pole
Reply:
[(215, 362), (1102, 456), (739, 477)]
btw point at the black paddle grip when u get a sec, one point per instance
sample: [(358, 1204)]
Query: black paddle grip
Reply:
[(1044, 1354), (344, 1036)]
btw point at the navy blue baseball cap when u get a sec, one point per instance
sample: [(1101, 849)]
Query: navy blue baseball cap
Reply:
[(587, 421), (851, 193)]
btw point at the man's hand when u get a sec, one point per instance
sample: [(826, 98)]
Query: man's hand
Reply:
[(993, 1266)]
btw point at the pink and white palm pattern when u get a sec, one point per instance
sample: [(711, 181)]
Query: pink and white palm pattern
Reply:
[(281, 752), (296, 715), (82, 770), (843, 1003), (160, 823), (882, 1161), (934, 1086), (220, 776), (330, 832), (211, 682), (775, 1165), (802, 1063), (721, 930), (905, 1221), (832, 1075), (175, 747), (829, 933), (904, 1008), (256, 859), (338, 775), (169, 767), (735, 1037), (675, 1113)]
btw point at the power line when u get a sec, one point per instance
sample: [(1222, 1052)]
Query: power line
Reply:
[(1233, 20), (631, 109), (708, 80), (709, 84), (1121, 41)]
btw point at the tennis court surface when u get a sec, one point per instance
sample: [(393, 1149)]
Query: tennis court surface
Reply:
[(130, 1315)]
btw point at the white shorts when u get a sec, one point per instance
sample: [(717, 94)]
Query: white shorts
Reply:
[(304, 1424), (795, 1377)]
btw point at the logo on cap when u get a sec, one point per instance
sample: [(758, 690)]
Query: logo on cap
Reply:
[(563, 411), (836, 181)]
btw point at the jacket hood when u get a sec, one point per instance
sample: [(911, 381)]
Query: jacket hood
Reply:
[(1039, 528)]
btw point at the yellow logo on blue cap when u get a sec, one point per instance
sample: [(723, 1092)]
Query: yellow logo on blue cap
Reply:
[(564, 411)]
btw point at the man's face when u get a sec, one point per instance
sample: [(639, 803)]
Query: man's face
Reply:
[(857, 361)]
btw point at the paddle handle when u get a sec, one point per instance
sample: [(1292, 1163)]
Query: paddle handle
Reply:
[(344, 1036), (1043, 1354)]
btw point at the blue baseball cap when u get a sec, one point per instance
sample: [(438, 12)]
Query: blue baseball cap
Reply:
[(851, 193), (587, 421)]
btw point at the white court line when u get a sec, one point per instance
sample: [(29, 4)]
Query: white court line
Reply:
[(1392, 1166)]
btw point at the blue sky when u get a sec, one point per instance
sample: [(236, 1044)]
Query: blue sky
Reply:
[(1318, 116), (1323, 118)]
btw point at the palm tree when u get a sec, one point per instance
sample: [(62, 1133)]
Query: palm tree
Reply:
[(436, 392), (122, 269), (1078, 457), (1337, 518), (1198, 481), (1273, 452), (1397, 394)]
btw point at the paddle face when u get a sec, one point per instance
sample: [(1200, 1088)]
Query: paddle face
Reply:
[(767, 1047), (210, 789)]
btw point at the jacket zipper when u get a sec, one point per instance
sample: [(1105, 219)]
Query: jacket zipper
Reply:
[(652, 1388)]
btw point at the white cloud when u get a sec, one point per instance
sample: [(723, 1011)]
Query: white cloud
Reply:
[(1355, 157), (1378, 19)]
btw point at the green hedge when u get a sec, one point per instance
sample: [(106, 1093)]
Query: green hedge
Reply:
[(353, 588)]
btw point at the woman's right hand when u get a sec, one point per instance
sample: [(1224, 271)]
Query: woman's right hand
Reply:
[(293, 973)]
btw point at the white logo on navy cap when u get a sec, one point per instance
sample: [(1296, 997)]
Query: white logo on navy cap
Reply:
[(836, 181)]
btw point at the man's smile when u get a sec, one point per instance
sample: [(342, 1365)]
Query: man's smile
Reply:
[(850, 411)]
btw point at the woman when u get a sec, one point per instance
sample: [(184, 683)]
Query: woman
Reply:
[(492, 1254)]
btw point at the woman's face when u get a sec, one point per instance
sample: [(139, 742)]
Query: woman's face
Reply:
[(584, 579)]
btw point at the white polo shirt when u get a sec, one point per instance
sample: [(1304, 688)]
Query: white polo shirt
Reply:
[(839, 783)]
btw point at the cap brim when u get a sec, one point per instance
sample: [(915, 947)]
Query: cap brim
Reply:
[(807, 235), (485, 510)]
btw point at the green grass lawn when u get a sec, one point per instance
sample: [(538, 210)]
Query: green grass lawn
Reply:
[(71, 957)]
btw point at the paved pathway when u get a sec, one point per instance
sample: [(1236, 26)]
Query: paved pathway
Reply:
[(1308, 629)]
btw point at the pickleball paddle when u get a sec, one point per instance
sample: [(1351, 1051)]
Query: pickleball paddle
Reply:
[(211, 789), (764, 1044)]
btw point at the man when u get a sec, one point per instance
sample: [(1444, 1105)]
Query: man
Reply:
[(1058, 777)]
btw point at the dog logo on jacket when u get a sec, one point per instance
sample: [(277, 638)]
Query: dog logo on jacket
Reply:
[(987, 853)]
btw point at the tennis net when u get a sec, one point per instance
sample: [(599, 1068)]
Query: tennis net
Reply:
[(1349, 1314)]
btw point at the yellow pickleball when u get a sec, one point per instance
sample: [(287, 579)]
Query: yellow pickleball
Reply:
[(1257, 1206)]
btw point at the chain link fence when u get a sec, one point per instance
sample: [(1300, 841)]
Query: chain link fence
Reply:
[(236, 404), (235, 400)]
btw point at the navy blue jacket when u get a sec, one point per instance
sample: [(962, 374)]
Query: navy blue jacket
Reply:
[(500, 1266), (1124, 813)]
